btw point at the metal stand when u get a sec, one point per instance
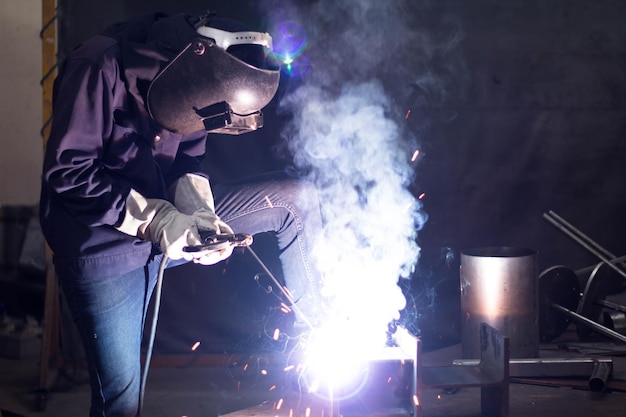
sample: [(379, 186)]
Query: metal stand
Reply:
[(491, 375)]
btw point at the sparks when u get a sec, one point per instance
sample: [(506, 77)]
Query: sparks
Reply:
[(263, 372), (308, 412), (245, 367), (195, 346), (285, 308), (269, 202), (272, 388), (389, 380), (408, 113), (415, 155), (288, 368), (416, 401), (421, 196), (279, 404), (276, 334)]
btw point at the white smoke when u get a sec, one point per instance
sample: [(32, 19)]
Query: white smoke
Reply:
[(348, 136)]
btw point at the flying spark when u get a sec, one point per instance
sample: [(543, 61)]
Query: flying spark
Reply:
[(415, 155), (276, 334), (421, 196), (408, 113), (195, 346), (269, 202), (279, 404)]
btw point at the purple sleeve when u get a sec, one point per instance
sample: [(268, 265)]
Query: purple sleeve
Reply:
[(85, 95)]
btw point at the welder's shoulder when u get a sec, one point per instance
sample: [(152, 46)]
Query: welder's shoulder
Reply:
[(98, 49)]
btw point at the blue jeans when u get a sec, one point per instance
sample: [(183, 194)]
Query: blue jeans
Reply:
[(110, 313)]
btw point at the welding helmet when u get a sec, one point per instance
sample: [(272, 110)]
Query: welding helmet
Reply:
[(219, 82)]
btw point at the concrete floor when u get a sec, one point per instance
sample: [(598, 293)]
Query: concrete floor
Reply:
[(191, 388)]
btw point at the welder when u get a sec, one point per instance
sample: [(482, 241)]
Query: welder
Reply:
[(123, 185)]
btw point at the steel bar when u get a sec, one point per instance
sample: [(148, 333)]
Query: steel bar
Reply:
[(288, 296), (597, 370), (547, 367), (590, 268), (554, 219), (588, 322), (611, 305)]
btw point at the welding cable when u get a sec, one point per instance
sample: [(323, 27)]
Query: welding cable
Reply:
[(151, 336)]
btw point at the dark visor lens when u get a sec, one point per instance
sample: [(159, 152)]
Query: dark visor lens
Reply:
[(254, 55)]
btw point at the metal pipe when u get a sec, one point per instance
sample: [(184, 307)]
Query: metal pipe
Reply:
[(599, 376), (584, 320), (605, 259)]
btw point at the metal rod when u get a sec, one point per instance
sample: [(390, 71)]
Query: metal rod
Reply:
[(285, 292), (611, 305), (579, 233), (588, 322), (586, 245), (590, 268)]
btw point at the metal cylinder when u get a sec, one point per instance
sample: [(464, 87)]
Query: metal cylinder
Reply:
[(499, 287)]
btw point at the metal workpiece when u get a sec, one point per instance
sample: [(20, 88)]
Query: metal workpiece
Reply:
[(499, 287)]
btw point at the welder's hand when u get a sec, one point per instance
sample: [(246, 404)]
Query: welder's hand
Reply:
[(160, 222), (208, 221), (211, 257)]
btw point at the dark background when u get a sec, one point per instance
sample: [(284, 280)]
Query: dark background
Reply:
[(522, 112)]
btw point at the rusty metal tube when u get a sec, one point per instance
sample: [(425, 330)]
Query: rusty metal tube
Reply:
[(499, 287)]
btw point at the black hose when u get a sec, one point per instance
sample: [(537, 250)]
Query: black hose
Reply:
[(151, 337)]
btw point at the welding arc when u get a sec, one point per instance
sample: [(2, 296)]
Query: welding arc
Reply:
[(285, 292)]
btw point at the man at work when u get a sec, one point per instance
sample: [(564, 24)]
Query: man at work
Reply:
[(123, 184)]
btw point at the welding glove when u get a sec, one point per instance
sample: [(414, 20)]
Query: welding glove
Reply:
[(193, 196), (160, 222)]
